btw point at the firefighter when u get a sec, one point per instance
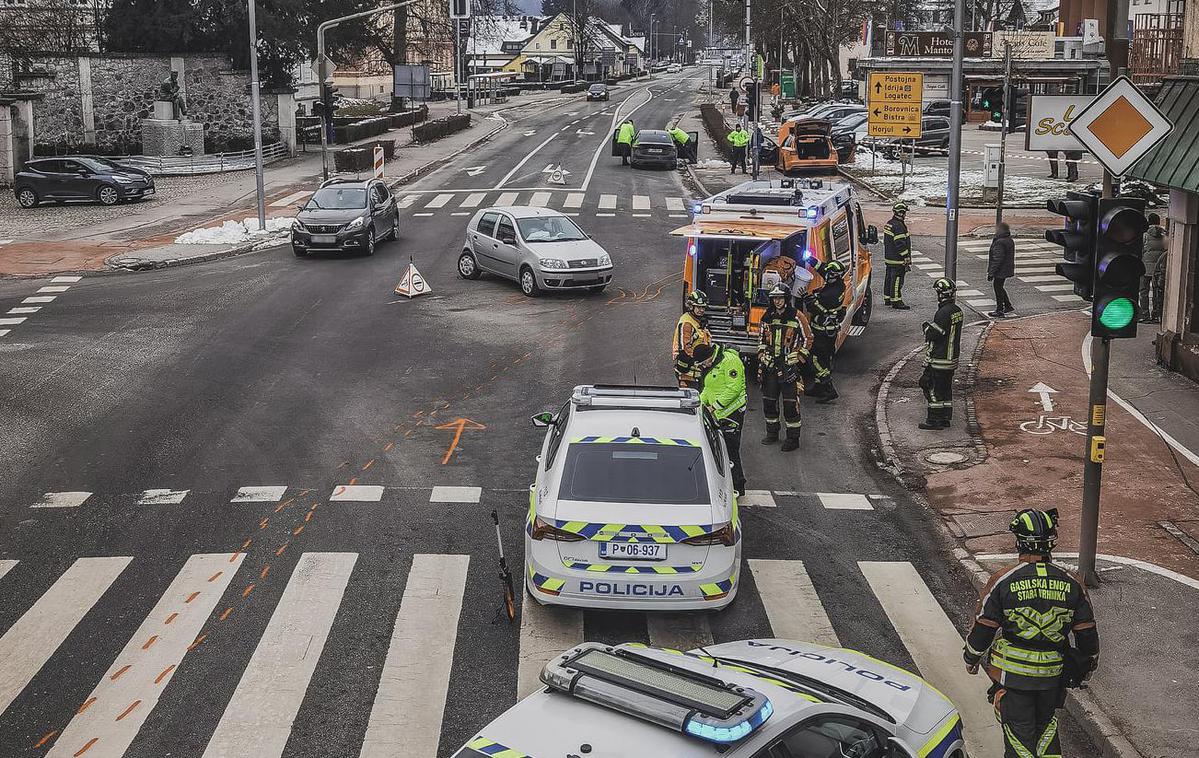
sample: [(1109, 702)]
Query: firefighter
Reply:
[(826, 310), (690, 332), (739, 139), (722, 377), (897, 255), (624, 140), (1035, 606), (943, 342), (784, 345)]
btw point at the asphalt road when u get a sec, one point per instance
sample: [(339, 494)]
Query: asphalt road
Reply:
[(300, 377)]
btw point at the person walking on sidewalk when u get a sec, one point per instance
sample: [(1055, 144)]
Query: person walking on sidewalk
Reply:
[(739, 139), (1025, 615), (722, 378), (624, 140), (897, 255), (689, 333), (734, 96), (784, 346), (943, 342), (1001, 266), (1154, 251)]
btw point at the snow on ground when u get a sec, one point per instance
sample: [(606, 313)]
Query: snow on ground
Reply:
[(234, 232), (926, 185), (712, 163)]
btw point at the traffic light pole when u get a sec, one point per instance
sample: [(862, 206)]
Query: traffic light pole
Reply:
[(1004, 120), (1092, 472), (320, 56), (955, 143)]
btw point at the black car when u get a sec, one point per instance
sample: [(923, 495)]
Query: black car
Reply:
[(937, 108), (80, 177), (654, 147), (934, 136), (345, 214), (597, 92), (843, 134)]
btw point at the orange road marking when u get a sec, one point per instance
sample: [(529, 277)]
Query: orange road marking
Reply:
[(247, 544), (150, 642), (192, 597), (170, 618), (247, 590), (86, 747), (389, 447), (46, 738), (418, 414), (86, 704), (265, 570), (262, 524), (353, 481), (343, 464), (226, 613), (298, 529), (282, 547), (119, 671), (196, 643), (409, 433), (458, 425), (233, 558), (158, 679), (369, 463), (129, 710), (307, 516)]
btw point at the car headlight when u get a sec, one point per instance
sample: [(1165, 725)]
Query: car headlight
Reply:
[(604, 260), (355, 224), (122, 180), (297, 226), (552, 263)]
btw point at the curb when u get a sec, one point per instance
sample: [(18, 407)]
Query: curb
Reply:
[(1080, 704)]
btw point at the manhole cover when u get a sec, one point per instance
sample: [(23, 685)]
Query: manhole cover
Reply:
[(983, 524), (945, 458)]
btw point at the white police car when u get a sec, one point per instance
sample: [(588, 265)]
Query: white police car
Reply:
[(750, 699), (633, 504)]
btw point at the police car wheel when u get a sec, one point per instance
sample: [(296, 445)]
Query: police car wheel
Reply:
[(468, 268), (528, 282)]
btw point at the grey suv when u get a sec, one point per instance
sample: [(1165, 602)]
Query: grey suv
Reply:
[(345, 214), (79, 178)]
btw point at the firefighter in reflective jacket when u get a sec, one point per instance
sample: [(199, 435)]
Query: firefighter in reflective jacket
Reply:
[(624, 140), (784, 346), (1034, 605), (943, 342), (897, 255), (722, 376), (690, 332), (826, 310)]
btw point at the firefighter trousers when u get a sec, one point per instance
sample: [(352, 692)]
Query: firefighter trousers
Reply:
[(730, 430), (1029, 721), (937, 385), (824, 347), (893, 284), (774, 389)]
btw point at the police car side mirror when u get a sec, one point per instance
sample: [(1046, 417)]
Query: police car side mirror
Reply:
[(872, 235), (543, 419)]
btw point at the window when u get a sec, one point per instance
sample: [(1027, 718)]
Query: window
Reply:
[(486, 225), (338, 198), (830, 736), (379, 193), (550, 229), (638, 472), (505, 230), (841, 237), (69, 167), (558, 430), (553, 44)]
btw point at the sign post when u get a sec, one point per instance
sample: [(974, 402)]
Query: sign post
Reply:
[(894, 104)]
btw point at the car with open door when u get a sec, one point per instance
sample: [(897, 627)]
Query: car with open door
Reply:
[(806, 147)]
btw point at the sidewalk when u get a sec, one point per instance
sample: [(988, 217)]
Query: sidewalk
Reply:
[(54, 239), (1009, 449)]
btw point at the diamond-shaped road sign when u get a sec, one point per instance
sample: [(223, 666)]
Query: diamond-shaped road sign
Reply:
[(1120, 126)]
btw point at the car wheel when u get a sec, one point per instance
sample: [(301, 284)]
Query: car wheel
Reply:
[(528, 282), (299, 251), (27, 197), (108, 195), (468, 267), (861, 316), (370, 241)]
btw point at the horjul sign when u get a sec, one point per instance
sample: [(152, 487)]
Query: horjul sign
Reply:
[(894, 103)]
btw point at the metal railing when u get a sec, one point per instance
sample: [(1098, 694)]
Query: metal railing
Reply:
[(1156, 48), (186, 165)]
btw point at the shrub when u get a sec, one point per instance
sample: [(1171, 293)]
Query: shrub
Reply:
[(442, 127)]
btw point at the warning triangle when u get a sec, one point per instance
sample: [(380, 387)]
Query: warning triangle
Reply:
[(412, 283)]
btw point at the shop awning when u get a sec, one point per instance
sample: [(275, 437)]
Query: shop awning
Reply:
[(1175, 162)]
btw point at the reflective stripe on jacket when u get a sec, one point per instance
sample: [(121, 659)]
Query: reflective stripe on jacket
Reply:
[(688, 333), (785, 334), (943, 337)]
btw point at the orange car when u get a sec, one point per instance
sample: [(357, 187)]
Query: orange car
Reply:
[(806, 147)]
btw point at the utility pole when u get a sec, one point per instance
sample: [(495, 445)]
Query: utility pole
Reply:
[(257, 113), (711, 68), (955, 144), (1008, 108)]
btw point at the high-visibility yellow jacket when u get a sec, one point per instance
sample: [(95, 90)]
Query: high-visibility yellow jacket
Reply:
[(738, 138), (625, 135)]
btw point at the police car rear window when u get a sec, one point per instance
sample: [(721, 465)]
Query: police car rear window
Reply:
[(634, 473)]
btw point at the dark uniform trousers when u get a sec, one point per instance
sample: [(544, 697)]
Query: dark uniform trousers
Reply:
[(893, 284), (774, 388), (1029, 719), (730, 430), (824, 347), (739, 159), (937, 385)]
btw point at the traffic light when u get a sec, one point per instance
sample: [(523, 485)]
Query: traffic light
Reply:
[(328, 107), (1118, 267), (1077, 238)]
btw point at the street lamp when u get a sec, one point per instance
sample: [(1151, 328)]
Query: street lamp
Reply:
[(652, 20), (257, 113)]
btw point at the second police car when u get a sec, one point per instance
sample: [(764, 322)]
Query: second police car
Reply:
[(632, 505)]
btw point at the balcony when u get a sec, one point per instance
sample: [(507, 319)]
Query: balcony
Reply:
[(1155, 49)]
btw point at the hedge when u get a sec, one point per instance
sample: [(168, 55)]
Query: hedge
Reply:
[(569, 89), (717, 129), (362, 157), (441, 127)]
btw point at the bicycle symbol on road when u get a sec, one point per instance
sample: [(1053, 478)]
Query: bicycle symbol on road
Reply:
[(1050, 424)]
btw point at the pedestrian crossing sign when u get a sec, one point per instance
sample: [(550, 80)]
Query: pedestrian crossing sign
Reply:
[(412, 283)]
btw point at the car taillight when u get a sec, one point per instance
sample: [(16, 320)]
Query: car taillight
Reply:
[(543, 530), (725, 535)]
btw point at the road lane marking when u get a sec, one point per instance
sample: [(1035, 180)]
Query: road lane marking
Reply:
[(1067, 298), (573, 200), (545, 631), (455, 494), (131, 687), (933, 641), (500, 184), (54, 289), (356, 493), (24, 309), (844, 501), (13, 321), (30, 642), (65, 279), (407, 200), (62, 500), (507, 198), (162, 497), (607, 202), (641, 215), (605, 142), (980, 303), (757, 499), (641, 202), (259, 717), (540, 199), (678, 631), (423, 215), (440, 200), (792, 605), (1064, 287), (1039, 278), (674, 204), (410, 703), (259, 494), (970, 293), (606, 215), (472, 200), (4, 332), (40, 299), (291, 199)]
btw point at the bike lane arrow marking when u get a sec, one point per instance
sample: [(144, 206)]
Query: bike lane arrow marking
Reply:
[(1044, 390), (458, 425)]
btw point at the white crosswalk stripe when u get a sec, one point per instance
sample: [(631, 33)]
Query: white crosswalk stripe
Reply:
[(259, 494), (162, 497), (791, 602), (62, 500), (540, 199), (674, 204), (507, 198), (440, 200), (472, 200), (844, 501), (574, 200), (407, 200), (607, 202), (641, 202), (1064, 287), (356, 493), (1039, 278), (5, 567)]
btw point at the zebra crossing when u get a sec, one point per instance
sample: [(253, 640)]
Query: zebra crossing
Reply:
[(458, 203), (31, 305), (410, 680), (1036, 261)]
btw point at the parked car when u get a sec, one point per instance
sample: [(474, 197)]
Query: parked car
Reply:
[(805, 147), (845, 135), (79, 178), (937, 108), (597, 92), (829, 111), (934, 135), (654, 147), (345, 214), (539, 248), (674, 68)]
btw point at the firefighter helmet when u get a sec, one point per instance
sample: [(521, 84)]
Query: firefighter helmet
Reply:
[(900, 207), (1036, 531), (697, 299), (945, 288), (833, 270)]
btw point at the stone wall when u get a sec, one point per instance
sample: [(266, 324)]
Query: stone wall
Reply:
[(101, 99)]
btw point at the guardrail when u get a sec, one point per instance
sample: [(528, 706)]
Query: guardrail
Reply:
[(187, 165)]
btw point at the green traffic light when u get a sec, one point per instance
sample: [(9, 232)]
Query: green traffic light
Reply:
[(1118, 313)]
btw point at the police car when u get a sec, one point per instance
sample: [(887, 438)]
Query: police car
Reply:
[(633, 504), (764, 698)]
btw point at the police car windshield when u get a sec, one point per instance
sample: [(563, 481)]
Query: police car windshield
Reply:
[(634, 473), (338, 198), (549, 229)]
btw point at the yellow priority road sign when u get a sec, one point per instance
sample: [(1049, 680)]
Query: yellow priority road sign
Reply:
[(894, 103)]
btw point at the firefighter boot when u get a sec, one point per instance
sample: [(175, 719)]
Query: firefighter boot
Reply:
[(791, 443), (772, 436)]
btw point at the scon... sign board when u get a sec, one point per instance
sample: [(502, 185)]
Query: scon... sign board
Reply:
[(1049, 118)]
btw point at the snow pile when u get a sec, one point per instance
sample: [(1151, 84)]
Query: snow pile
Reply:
[(926, 184), (234, 232), (712, 163)]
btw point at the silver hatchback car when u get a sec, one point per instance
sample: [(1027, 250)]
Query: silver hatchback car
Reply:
[(539, 248)]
